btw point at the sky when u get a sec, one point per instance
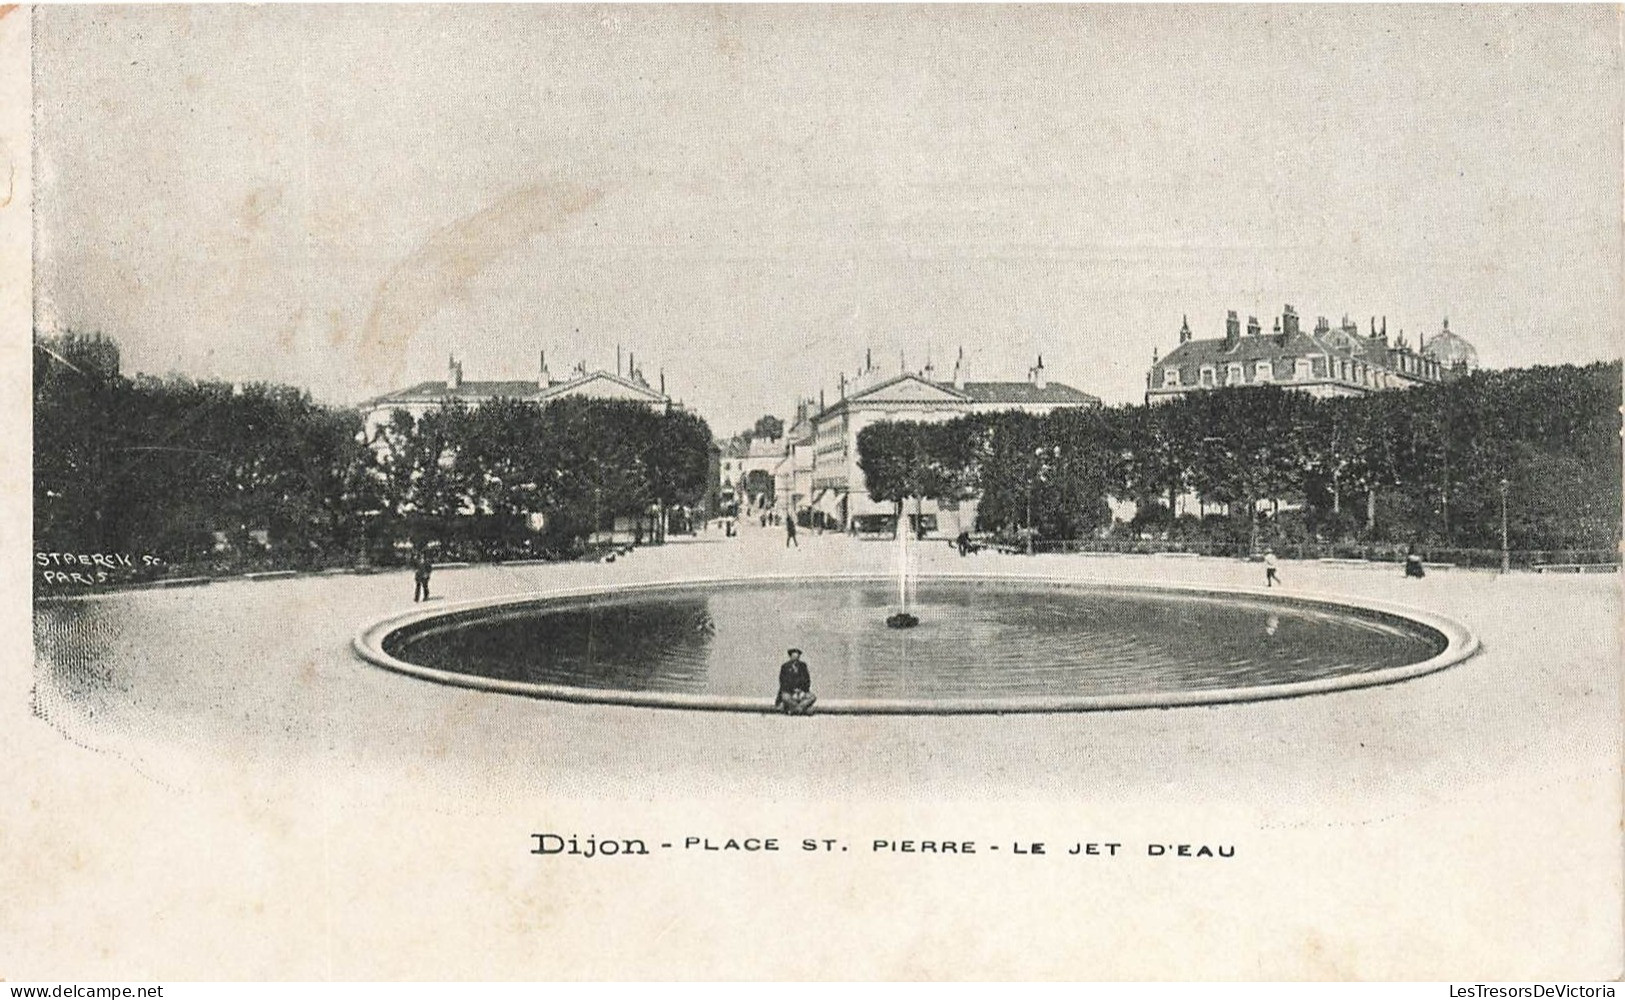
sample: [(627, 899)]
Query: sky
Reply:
[(748, 198)]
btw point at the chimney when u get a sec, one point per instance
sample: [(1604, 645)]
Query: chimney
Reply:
[(1232, 331), (543, 379), (842, 386), (959, 370), (454, 373), (1185, 328), (1385, 328), (821, 396), (617, 359), (1321, 326), (1252, 326), (1289, 321), (1038, 374), (662, 382), (868, 360)]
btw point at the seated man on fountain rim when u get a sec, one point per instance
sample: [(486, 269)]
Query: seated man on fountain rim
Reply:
[(795, 686)]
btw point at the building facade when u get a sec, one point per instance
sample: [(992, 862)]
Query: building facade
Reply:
[(1325, 361), (794, 474), (749, 473), (838, 493), (426, 397)]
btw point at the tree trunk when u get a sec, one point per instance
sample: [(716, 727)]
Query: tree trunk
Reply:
[(1371, 510)]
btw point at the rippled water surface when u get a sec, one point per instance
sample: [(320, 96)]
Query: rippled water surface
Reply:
[(975, 639)]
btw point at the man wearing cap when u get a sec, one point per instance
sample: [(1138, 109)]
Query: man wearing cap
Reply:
[(795, 687)]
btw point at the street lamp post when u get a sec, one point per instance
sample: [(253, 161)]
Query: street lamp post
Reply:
[(1506, 561), (1029, 532)]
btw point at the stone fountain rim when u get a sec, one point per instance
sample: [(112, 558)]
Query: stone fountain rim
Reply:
[(1461, 643)]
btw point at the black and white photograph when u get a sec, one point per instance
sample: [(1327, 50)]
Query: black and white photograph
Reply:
[(780, 492)]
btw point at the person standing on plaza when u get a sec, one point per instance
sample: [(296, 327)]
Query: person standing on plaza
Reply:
[(1413, 565), (795, 686), (1270, 566), (790, 533), (421, 568)]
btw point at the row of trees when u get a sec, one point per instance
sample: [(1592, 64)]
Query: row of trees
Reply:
[(1424, 465), (575, 466), (186, 470), (157, 467)]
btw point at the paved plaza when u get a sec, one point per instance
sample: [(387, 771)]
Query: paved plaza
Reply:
[(247, 798), (242, 677)]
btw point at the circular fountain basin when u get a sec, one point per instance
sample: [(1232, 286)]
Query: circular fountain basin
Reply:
[(983, 644)]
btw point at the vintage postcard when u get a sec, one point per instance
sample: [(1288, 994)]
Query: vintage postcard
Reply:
[(811, 492)]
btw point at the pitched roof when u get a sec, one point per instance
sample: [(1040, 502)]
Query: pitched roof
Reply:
[(433, 392), (1025, 392), (429, 392), (562, 388), (969, 394), (896, 389)]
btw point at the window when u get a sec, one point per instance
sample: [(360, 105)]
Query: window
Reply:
[(1207, 376), (1235, 374), (1264, 372), (1304, 370), (1170, 377)]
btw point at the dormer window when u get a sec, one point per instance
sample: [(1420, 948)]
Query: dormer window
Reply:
[(1170, 377), (1264, 371), (1303, 369), (1207, 376), (1235, 374)]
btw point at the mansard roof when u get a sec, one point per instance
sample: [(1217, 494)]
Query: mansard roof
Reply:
[(1259, 347)]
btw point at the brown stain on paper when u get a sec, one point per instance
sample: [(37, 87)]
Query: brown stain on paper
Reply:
[(260, 203), (10, 168), (439, 271), (287, 337)]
